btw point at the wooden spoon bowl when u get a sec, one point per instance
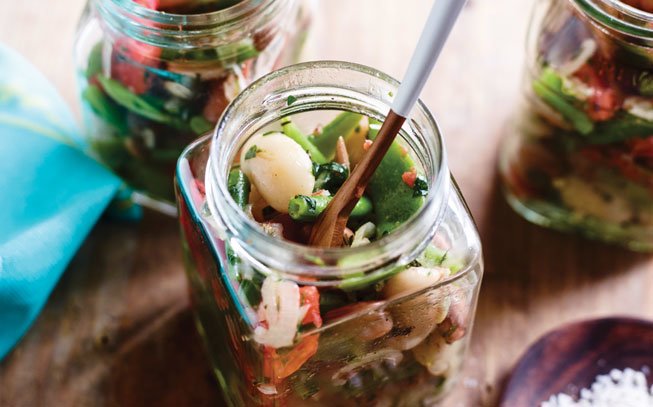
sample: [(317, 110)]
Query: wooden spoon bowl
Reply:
[(569, 359)]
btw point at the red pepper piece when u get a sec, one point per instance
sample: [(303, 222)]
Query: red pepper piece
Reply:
[(310, 296), (151, 4), (409, 177), (281, 364), (642, 148), (130, 62), (606, 99)]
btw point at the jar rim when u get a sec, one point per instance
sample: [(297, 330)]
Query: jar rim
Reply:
[(635, 22), (395, 242), (169, 29)]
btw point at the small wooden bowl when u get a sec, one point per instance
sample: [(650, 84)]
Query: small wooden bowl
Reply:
[(569, 359)]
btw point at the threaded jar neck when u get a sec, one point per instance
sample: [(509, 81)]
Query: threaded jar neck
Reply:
[(314, 86), (248, 18)]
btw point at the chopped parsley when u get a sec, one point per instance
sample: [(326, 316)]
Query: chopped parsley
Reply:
[(251, 153), (421, 187), (291, 99)]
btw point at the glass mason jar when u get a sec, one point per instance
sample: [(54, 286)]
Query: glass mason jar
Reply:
[(368, 342), (151, 82), (580, 157)]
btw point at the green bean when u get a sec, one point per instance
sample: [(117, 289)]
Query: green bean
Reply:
[(291, 130), (622, 127), (124, 97), (394, 201), (342, 125), (360, 281), (239, 187), (200, 125), (94, 65), (105, 108), (308, 208), (549, 88)]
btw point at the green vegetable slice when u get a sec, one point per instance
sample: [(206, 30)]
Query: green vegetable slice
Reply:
[(239, 187), (291, 130), (308, 208), (330, 176), (200, 125), (104, 107), (94, 66), (124, 97), (549, 88), (394, 201), (621, 127), (342, 125)]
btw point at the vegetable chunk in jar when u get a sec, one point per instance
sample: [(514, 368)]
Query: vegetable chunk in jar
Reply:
[(383, 320), (154, 75), (581, 155)]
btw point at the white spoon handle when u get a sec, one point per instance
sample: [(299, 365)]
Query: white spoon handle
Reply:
[(438, 26)]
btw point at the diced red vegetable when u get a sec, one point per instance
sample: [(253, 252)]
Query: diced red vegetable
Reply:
[(151, 4), (409, 177), (130, 62), (281, 364), (642, 148), (163, 5), (606, 99), (310, 296)]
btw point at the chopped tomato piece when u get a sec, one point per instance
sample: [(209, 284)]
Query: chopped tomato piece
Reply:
[(606, 99), (281, 364), (642, 148), (603, 104), (409, 177), (151, 4), (163, 5), (310, 296), (130, 62)]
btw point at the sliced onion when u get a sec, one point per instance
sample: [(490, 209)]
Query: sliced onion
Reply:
[(587, 49), (640, 107)]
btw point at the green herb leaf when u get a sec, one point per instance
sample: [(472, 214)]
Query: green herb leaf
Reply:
[(124, 97), (251, 153), (421, 187), (291, 99)]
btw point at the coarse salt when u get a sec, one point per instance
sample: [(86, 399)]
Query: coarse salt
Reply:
[(627, 388)]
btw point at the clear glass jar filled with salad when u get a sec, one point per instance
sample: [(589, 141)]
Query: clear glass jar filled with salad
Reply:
[(383, 320), (581, 158), (156, 74)]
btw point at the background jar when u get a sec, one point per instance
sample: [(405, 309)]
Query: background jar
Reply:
[(407, 349), (151, 82), (580, 156)]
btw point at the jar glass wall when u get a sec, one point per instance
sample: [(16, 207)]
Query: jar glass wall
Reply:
[(364, 342), (152, 81), (580, 154)]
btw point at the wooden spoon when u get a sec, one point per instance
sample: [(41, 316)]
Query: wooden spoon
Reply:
[(327, 230)]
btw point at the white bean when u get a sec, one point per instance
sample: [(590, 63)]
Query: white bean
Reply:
[(415, 319), (278, 167), (439, 357)]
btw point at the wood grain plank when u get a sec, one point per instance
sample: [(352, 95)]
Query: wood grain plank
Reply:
[(117, 330)]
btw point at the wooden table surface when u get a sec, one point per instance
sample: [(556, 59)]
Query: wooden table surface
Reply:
[(117, 330)]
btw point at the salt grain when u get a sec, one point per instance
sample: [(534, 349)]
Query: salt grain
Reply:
[(627, 388)]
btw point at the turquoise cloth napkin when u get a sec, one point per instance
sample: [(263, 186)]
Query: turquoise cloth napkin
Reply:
[(51, 194)]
